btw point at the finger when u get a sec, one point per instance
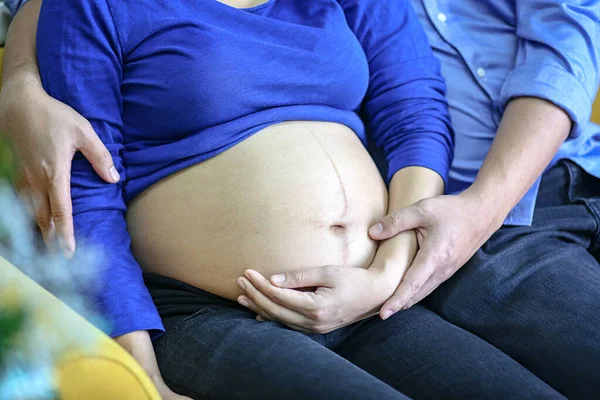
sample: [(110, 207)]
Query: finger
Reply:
[(249, 304), (43, 218), (62, 215), (98, 155), (301, 302), (268, 306), (306, 277), (419, 272), (392, 224), (425, 291)]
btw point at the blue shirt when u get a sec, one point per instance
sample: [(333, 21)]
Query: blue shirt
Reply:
[(493, 51), (169, 84)]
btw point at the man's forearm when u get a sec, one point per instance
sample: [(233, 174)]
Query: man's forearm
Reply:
[(531, 132), (20, 53)]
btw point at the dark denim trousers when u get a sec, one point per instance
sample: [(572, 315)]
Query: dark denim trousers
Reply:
[(534, 292), (215, 349), (520, 321)]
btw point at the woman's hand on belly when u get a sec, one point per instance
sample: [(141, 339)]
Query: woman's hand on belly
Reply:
[(340, 296)]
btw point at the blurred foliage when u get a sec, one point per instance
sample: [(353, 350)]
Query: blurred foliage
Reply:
[(8, 168)]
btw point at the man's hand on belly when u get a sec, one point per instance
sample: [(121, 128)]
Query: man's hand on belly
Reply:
[(316, 300)]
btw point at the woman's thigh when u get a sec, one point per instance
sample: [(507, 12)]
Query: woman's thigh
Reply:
[(425, 357), (224, 353)]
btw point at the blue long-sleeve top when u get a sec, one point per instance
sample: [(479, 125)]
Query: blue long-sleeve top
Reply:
[(169, 84)]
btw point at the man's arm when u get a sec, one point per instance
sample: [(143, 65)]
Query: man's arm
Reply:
[(549, 92), (19, 56), (45, 134), (530, 134)]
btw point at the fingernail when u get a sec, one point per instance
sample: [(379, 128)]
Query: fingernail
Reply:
[(278, 278), (259, 318), (241, 283), (376, 229), (114, 175), (243, 301), (387, 314)]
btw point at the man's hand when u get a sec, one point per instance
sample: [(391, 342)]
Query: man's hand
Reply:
[(46, 134), (450, 229), (340, 296)]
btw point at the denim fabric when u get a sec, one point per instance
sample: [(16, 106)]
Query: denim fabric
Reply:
[(215, 349), (534, 292)]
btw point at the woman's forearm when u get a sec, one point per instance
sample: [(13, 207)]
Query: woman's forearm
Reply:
[(20, 55), (408, 186), (531, 132)]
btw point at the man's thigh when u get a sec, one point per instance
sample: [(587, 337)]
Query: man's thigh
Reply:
[(426, 357), (224, 353), (534, 292)]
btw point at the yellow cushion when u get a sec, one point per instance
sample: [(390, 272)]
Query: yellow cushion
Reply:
[(596, 110), (101, 370)]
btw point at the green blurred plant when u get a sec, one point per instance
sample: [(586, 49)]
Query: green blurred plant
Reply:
[(8, 167)]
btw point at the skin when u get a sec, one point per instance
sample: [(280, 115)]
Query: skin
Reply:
[(340, 295), (449, 229)]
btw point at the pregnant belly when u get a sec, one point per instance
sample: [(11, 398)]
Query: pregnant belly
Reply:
[(294, 195)]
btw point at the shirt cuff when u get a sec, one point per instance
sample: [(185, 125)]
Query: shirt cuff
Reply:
[(149, 321), (438, 162), (553, 84)]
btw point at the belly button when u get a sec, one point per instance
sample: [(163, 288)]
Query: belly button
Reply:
[(338, 228)]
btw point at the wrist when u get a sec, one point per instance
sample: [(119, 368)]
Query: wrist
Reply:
[(139, 345), (487, 206)]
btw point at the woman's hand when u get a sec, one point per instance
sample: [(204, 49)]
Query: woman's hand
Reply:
[(139, 345), (46, 134), (450, 229), (340, 296)]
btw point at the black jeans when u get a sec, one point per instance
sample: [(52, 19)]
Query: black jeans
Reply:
[(534, 292), (215, 349)]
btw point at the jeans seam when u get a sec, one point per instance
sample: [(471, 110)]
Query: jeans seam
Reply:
[(574, 182), (178, 325)]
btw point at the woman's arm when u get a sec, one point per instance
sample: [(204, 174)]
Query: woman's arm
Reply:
[(84, 69), (45, 133)]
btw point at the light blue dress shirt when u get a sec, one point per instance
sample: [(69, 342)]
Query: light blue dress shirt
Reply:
[(493, 51)]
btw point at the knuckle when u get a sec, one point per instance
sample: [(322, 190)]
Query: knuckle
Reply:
[(414, 286), (395, 219), (424, 207), (43, 223), (60, 214)]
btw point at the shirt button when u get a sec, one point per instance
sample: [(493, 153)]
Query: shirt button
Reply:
[(481, 72), (442, 17)]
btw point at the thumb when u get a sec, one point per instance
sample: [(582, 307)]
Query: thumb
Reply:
[(98, 155), (399, 221), (302, 278)]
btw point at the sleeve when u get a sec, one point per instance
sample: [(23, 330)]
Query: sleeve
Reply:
[(558, 56), (14, 5), (405, 107), (81, 64)]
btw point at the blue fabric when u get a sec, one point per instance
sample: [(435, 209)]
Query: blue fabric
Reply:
[(493, 51), (162, 85), (532, 291), (14, 5), (414, 353)]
